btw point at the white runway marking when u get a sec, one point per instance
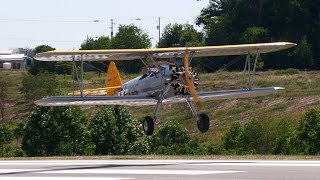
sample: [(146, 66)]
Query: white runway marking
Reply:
[(116, 171)]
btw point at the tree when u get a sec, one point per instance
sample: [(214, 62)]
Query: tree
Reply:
[(302, 55), (102, 42), (53, 131), (309, 132), (114, 131), (130, 37), (180, 35), (41, 85), (39, 66), (234, 22)]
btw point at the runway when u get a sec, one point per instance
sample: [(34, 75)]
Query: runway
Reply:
[(158, 169)]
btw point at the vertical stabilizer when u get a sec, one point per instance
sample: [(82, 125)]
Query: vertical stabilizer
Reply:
[(112, 79)]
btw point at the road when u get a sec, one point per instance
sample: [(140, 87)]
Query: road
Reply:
[(158, 169)]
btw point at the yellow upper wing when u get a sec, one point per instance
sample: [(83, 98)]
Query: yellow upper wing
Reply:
[(133, 54)]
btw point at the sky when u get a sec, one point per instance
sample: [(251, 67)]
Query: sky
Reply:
[(65, 24)]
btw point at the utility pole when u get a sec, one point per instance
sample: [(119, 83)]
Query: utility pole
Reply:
[(159, 28), (112, 23)]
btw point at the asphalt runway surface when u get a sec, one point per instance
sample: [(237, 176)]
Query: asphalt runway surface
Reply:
[(158, 169)]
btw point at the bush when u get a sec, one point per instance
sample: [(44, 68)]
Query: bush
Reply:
[(309, 132), (173, 139), (285, 142), (53, 131), (6, 135), (251, 138), (41, 85), (232, 138), (114, 131)]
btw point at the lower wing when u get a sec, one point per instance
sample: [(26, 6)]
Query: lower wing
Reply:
[(229, 94), (144, 101)]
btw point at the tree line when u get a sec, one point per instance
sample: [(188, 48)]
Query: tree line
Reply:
[(225, 22)]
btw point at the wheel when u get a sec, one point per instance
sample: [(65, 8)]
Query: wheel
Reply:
[(203, 122), (148, 125)]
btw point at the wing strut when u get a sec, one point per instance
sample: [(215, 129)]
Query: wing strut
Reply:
[(75, 74), (248, 72)]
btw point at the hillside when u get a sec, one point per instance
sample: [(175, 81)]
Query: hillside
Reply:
[(302, 92)]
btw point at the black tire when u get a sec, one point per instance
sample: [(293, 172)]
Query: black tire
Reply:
[(203, 123), (148, 125)]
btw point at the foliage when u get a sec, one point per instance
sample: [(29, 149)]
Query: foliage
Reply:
[(41, 85), (173, 139), (53, 131), (114, 131), (309, 132), (232, 138), (6, 135), (40, 66), (302, 55), (249, 21), (102, 42), (255, 35), (180, 35), (252, 138), (130, 37), (286, 140)]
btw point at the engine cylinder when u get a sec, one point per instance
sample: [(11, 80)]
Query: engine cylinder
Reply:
[(178, 81)]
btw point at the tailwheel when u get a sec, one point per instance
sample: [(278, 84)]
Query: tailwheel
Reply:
[(148, 125), (203, 122)]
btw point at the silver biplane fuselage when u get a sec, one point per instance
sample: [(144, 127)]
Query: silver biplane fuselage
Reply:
[(152, 84)]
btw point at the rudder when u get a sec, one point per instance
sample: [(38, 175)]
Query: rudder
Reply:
[(112, 79)]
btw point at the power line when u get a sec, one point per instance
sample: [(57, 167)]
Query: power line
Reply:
[(46, 20)]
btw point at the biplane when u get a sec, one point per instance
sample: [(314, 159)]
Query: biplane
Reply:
[(162, 84)]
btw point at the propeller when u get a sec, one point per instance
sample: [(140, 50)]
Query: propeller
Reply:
[(190, 80)]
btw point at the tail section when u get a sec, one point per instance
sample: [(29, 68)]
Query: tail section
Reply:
[(113, 79)]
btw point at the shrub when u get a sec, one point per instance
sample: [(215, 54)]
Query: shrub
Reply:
[(114, 131), (309, 132), (286, 137), (52, 131)]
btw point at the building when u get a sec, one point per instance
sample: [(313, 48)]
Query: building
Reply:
[(19, 58)]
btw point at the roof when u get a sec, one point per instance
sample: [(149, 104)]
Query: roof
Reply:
[(6, 52), (13, 57)]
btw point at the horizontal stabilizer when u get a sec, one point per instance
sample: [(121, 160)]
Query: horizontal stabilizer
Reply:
[(96, 92)]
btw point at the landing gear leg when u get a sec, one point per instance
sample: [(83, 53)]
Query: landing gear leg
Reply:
[(203, 121), (148, 122)]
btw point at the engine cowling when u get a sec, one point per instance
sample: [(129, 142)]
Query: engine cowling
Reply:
[(178, 80)]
